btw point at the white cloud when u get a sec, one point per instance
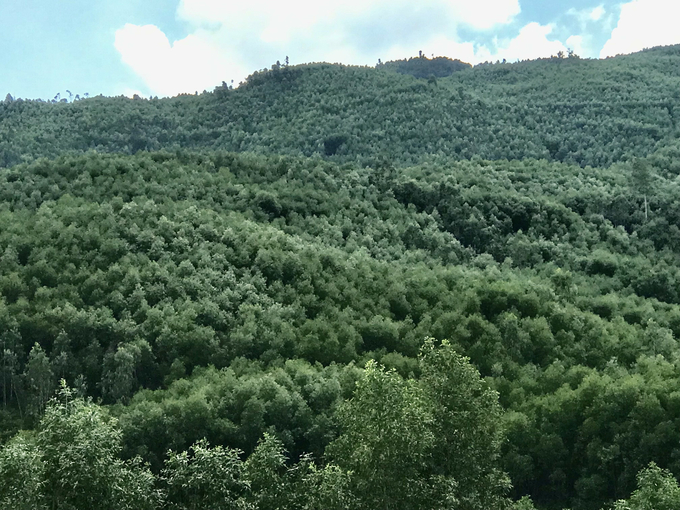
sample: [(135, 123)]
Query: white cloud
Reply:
[(289, 17), (597, 13), (592, 22), (442, 45), (189, 65), (485, 14), (532, 42), (577, 44), (643, 24), (228, 40), (588, 16)]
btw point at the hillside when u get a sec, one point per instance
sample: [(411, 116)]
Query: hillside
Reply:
[(232, 281), (570, 110)]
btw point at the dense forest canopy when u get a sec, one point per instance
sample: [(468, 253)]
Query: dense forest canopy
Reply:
[(423, 67), (459, 287), (562, 109)]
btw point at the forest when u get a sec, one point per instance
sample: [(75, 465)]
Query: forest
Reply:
[(423, 285)]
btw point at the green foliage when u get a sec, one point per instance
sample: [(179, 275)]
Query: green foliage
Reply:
[(386, 442), (467, 428), (326, 488), (236, 406), (642, 180), (205, 478), (79, 447), (428, 443), (586, 112), (524, 503), (39, 378), (641, 177), (133, 273), (423, 67), (207, 297), (266, 468), (276, 484), (22, 472), (611, 424), (657, 490)]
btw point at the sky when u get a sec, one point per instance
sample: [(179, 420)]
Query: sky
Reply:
[(167, 47)]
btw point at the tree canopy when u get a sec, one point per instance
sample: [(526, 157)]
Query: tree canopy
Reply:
[(347, 287)]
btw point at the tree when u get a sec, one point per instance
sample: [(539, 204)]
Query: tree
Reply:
[(64, 363), (524, 503), (119, 378), (642, 179), (428, 443), (21, 475), (657, 490), (39, 379), (326, 488), (466, 427), (10, 366), (332, 144), (386, 441), (277, 485), (266, 468), (79, 447), (205, 478)]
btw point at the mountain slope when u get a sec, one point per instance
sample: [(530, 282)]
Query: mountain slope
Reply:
[(197, 293), (572, 110)]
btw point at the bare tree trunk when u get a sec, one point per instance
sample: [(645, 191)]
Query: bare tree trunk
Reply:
[(16, 394), (4, 376)]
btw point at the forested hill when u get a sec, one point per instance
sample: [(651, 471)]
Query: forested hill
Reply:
[(564, 109), (347, 288)]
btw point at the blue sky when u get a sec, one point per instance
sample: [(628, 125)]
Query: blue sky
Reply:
[(166, 47)]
